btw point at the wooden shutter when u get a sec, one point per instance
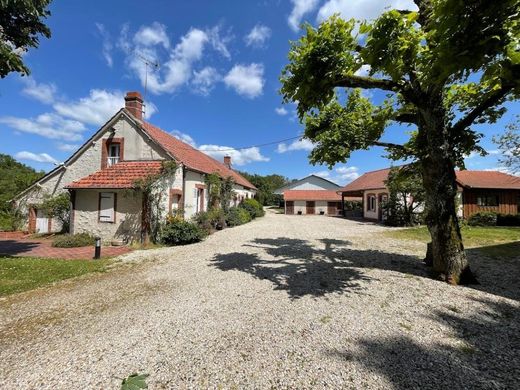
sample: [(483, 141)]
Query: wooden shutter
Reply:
[(106, 207)]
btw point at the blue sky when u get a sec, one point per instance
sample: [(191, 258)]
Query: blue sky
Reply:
[(216, 87)]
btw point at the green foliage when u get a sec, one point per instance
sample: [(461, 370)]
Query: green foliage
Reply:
[(211, 219), (73, 240), (58, 207), (134, 382), (266, 186), (237, 216), (14, 178), (406, 195), (509, 144), (220, 191), (19, 274), (483, 218), (179, 232), (253, 207), (353, 205), (21, 24)]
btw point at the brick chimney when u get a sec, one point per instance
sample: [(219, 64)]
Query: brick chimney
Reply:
[(227, 161), (134, 104)]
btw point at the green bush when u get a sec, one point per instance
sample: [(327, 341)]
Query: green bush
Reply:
[(483, 218), (253, 207), (180, 232), (508, 220), (237, 216), (73, 240), (208, 220)]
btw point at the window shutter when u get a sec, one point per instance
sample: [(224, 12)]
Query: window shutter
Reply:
[(106, 207)]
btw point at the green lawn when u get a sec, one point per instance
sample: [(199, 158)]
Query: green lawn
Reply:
[(494, 241), (19, 274)]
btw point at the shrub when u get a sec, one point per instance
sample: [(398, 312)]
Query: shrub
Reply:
[(237, 216), (253, 207), (181, 232), (73, 240), (484, 218), (508, 220), (202, 219), (208, 220)]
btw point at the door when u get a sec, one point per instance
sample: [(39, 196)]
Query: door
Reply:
[(42, 222), (332, 208), (289, 207), (310, 207)]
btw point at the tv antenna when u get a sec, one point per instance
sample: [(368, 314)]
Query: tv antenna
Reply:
[(148, 62)]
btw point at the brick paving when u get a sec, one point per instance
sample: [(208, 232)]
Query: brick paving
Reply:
[(42, 248)]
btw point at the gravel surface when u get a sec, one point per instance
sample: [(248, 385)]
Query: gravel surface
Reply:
[(284, 302)]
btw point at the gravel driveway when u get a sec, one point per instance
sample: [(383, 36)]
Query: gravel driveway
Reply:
[(282, 302)]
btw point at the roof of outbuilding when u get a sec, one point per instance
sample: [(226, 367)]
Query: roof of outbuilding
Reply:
[(470, 179), (329, 195), (118, 176), (191, 157)]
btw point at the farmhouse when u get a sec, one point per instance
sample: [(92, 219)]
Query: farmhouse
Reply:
[(102, 176), (477, 191)]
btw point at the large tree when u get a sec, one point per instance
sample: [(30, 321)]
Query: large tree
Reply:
[(447, 66), (21, 24), (509, 144)]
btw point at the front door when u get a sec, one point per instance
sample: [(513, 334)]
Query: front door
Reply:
[(289, 207), (332, 208), (42, 222), (310, 207)]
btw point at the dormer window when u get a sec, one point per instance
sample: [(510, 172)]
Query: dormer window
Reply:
[(114, 153)]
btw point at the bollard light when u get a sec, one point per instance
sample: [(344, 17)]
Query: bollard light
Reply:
[(97, 248)]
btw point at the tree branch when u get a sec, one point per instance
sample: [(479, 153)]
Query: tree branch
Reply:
[(390, 145), (406, 118), (492, 99), (354, 81)]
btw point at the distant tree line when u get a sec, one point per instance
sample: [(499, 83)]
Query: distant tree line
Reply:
[(266, 186)]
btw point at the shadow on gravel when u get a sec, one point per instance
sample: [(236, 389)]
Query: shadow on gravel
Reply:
[(300, 268), (483, 352), (16, 247)]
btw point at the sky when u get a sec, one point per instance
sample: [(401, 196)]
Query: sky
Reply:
[(216, 85)]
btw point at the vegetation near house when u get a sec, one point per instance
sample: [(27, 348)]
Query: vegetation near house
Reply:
[(266, 186), (27, 273), (14, 178), (237, 216), (443, 72), (58, 207), (21, 24), (179, 232), (253, 207), (73, 240)]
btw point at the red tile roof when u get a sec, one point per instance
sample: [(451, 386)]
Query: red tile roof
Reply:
[(472, 179), (122, 175), (488, 179), (191, 157), (329, 195)]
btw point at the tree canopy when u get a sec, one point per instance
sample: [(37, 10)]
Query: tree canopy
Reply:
[(266, 186), (445, 67), (509, 144), (21, 24)]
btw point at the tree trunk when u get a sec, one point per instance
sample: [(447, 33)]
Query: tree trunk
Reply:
[(447, 251)]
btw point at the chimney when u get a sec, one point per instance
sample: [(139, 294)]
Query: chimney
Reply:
[(227, 161), (134, 104)]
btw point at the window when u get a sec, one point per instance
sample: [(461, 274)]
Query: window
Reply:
[(487, 200), (107, 202), (371, 203), (114, 151)]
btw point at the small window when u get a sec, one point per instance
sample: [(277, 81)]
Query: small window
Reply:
[(487, 200), (371, 203), (107, 207)]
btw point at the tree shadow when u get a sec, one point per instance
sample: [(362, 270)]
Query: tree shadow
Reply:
[(300, 268), (481, 352), (16, 247)]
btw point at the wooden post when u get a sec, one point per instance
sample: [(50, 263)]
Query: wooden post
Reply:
[(343, 212)]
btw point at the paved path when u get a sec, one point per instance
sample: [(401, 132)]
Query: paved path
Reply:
[(289, 302), (42, 248)]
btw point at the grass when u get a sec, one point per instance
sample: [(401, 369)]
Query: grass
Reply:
[(499, 241), (19, 274)]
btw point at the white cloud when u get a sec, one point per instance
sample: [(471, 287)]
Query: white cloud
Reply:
[(340, 175), (184, 137), (363, 71), (68, 147), (238, 157), (219, 41), (362, 9), (40, 91), (246, 80), (152, 35), (258, 36), (47, 125), (41, 157), (281, 111), (204, 80), (300, 144), (107, 44), (300, 9)]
